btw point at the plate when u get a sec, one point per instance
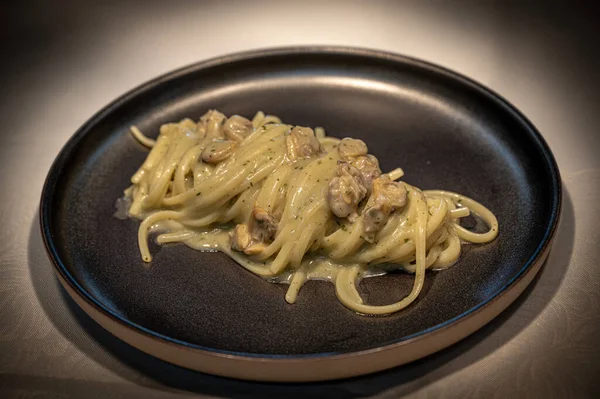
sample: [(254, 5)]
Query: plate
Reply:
[(204, 312)]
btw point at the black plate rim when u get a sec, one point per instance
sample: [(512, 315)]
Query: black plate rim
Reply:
[(57, 167)]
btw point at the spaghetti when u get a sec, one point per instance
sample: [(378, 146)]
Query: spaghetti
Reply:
[(291, 204)]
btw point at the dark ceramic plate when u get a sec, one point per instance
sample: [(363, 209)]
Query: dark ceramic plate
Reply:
[(203, 311)]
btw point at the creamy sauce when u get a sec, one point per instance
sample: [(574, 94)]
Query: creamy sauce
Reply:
[(312, 267), (315, 267)]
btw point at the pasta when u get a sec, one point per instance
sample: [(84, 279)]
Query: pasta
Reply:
[(291, 204)]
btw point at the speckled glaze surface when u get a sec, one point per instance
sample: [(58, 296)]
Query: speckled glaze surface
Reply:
[(444, 130)]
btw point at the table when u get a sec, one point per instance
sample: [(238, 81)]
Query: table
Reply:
[(62, 61)]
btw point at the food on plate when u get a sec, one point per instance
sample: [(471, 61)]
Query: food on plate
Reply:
[(291, 204)]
